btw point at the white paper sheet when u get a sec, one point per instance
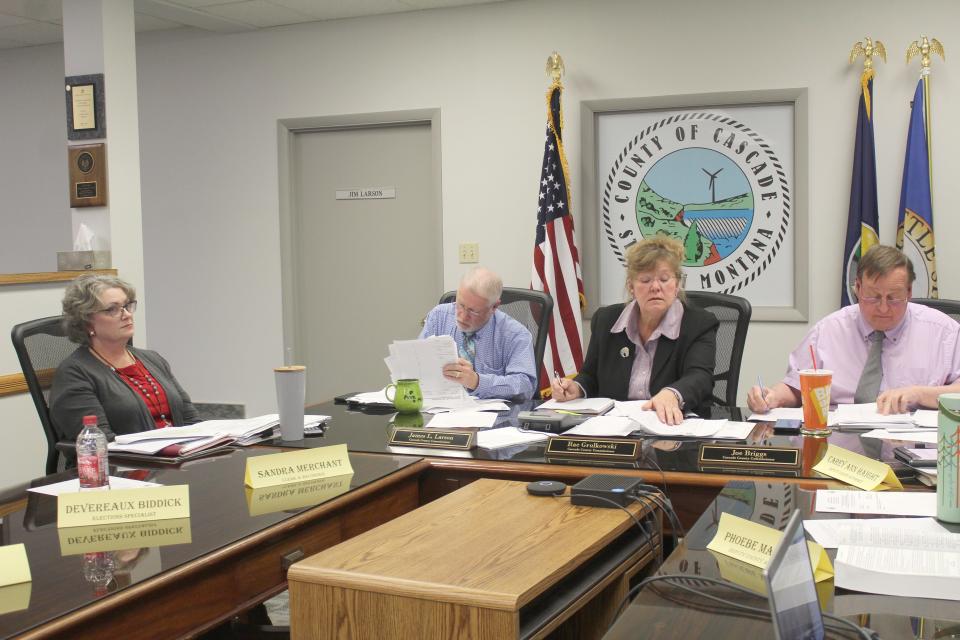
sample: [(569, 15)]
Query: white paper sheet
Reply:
[(468, 403), (926, 418), (71, 486), (866, 413), (915, 533), (898, 572), (780, 413), (648, 422), (604, 426), (734, 431), (889, 503), (506, 437), (924, 435), (462, 419), (580, 405), (424, 360)]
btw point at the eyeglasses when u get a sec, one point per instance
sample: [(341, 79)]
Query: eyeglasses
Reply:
[(891, 302), (473, 313), (114, 310)]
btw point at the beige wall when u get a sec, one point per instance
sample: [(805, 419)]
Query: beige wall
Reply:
[(209, 106)]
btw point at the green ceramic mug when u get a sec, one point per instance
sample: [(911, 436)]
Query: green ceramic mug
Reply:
[(407, 397)]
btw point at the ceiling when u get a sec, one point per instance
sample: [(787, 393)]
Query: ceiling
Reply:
[(28, 23)]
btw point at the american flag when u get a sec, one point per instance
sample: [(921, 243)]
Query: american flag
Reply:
[(556, 262)]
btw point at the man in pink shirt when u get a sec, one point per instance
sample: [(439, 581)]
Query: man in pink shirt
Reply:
[(917, 358)]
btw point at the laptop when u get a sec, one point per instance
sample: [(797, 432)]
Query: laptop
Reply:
[(791, 589)]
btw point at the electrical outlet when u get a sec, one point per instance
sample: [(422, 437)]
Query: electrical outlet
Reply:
[(469, 252)]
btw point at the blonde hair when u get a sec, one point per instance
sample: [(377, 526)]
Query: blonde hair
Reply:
[(649, 252)]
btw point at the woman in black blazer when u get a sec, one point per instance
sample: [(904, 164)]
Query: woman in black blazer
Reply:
[(653, 347)]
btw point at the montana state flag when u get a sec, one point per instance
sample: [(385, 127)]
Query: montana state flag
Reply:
[(862, 220), (915, 218)]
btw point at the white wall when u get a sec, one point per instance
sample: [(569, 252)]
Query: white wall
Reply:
[(34, 194), (209, 106)]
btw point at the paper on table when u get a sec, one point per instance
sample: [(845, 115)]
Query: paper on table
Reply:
[(917, 533), (926, 418), (899, 572), (507, 436), (734, 431), (926, 436), (462, 419), (866, 413), (371, 397), (72, 486), (580, 405), (604, 426), (467, 403), (648, 422), (891, 503)]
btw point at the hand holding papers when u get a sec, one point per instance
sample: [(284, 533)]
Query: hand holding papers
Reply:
[(424, 360)]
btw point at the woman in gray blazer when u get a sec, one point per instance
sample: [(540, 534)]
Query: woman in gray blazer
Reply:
[(128, 389)]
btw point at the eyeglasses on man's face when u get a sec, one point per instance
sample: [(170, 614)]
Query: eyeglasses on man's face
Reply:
[(473, 313), (891, 301), (115, 310)]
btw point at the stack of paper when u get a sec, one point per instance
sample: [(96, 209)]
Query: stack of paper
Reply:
[(424, 361), (507, 437), (594, 406), (867, 414), (210, 434), (463, 419)]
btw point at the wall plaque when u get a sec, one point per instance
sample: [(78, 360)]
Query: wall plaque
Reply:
[(86, 114), (88, 175)]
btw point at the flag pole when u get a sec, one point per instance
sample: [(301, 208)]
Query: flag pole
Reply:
[(924, 47)]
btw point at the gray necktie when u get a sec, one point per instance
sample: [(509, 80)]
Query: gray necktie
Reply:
[(869, 386)]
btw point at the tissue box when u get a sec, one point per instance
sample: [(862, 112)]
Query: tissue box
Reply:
[(82, 260)]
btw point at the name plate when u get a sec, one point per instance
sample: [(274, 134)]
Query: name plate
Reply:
[(610, 448), (860, 471), (297, 466), (86, 508), (14, 566), (760, 456), (436, 438), (128, 535), (15, 597), (753, 543), (296, 495)]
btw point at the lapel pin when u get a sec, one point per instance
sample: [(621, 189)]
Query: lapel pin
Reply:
[(625, 352)]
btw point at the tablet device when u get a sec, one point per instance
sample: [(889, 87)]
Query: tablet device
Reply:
[(791, 589)]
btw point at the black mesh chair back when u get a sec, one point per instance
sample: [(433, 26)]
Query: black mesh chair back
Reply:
[(733, 313), (949, 307), (41, 346), (532, 309)]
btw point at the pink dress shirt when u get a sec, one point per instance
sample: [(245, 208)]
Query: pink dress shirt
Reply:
[(921, 350)]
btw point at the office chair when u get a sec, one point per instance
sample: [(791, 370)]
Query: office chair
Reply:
[(41, 346), (949, 307), (734, 313), (532, 309)]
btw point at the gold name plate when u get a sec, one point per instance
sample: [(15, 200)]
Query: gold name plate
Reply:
[(297, 466), (607, 448), (85, 508), (757, 456), (432, 438)]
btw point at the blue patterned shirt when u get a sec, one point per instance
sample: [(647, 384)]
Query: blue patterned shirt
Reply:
[(504, 360)]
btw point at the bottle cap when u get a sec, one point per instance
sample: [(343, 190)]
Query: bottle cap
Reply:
[(91, 420)]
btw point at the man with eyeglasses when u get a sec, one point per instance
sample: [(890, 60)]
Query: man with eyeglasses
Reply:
[(496, 351), (884, 348)]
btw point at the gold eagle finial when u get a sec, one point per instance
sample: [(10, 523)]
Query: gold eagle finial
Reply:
[(924, 47), (868, 48), (555, 68)]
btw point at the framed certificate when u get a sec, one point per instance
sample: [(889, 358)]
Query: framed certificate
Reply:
[(86, 116)]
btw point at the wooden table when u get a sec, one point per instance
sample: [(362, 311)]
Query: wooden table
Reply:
[(487, 561)]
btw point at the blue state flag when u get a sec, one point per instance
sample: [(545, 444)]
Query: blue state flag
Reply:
[(915, 217), (862, 220)]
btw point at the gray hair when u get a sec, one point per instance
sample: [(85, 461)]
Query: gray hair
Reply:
[(484, 283), (82, 299)]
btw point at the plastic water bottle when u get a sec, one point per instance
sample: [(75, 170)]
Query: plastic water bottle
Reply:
[(92, 464)]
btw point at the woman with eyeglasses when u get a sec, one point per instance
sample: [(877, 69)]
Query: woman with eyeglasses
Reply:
[(653, 347), (127, 388)]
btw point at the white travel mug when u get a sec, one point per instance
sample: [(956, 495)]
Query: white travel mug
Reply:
[(291, 391)]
